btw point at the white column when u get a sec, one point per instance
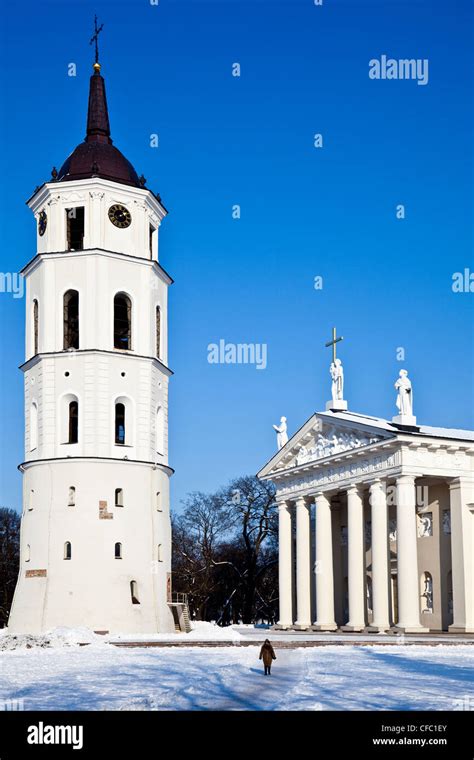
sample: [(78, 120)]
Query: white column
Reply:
[(324, 567), (380, 566), (461, 495), (303, 565), (407, 557), (285, 568), (356, 560)]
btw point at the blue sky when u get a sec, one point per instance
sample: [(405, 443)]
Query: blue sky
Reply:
[(304, 211)]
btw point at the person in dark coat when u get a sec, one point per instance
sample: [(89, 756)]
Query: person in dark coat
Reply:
[(267, 655)]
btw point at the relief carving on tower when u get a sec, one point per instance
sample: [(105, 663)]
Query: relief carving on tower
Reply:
[(73, 197)]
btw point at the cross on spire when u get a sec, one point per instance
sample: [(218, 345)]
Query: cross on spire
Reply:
[(333, 344), (95, 38)]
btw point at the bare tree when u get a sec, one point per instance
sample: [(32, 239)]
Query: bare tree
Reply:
[(197, 534), (251, 505), (9, 559), (225, 555)]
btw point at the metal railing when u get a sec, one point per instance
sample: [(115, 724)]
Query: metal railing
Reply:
[(178, 598)]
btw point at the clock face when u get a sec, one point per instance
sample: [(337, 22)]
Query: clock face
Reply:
[(120, 216), (42, 222)]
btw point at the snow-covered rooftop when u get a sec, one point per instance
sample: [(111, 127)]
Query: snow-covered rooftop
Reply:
[(426, 430)]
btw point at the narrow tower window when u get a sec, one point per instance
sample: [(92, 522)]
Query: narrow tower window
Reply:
[(71, 319), (122, 322), (67, 550), (134, 592), (158, 501), (27, 553), (159, 553), (72, 497), (150, 239), (120, 424), (32, 500), (75, 228), (73, 422), (33, 426), (158, 332), (119, 497), (35, 327), (118, 550)]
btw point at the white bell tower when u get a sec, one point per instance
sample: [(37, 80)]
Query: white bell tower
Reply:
[(95, 531)]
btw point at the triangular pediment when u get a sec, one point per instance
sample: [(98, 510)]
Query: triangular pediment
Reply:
[(327, 435)]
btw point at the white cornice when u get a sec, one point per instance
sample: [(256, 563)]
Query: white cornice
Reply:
[(28, 268), (49, 189), (103, 460), (33, 360)]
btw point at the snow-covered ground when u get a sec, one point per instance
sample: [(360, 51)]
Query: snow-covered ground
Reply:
[(104, 677), (209, 632), (59, 637), (201, 631)]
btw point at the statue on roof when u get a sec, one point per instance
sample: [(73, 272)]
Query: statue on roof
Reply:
[(282, 435), (405, 394), (337, 375)]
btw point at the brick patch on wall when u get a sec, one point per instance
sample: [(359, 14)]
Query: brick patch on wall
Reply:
[(35, 574), (103, 514)]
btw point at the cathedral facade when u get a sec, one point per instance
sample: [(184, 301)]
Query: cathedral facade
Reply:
[(376, 523)]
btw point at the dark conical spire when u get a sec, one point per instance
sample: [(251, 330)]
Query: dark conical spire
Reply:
[(98, 126), (96, 156)]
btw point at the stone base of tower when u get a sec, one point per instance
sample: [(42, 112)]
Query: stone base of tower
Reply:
[(117, 578), (28, 616)]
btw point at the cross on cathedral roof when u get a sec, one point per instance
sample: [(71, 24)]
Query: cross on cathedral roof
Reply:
[(333, 343)]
